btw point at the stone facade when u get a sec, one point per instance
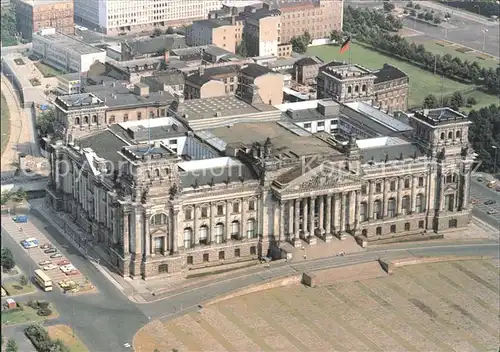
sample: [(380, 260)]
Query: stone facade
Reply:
[(153, 224)]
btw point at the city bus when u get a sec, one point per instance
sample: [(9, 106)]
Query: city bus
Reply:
[(43, 280)]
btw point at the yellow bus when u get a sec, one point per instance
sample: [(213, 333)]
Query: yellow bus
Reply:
[(43, 280)]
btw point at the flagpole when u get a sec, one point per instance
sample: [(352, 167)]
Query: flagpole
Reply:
[(350, 50)]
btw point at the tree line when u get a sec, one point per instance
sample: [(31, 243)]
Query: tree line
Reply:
[(486, 7), (374, 28), (8, 30), (484, 133)]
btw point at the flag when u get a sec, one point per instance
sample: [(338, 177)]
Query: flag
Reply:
[(345, 45)]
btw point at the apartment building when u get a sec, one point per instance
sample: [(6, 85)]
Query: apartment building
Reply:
[(318, 17), (211, 82), (114, 17), (34, 15), (221, 32), (262, 30), (259, 84)]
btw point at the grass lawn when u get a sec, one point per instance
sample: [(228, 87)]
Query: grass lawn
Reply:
[(64, 333), (27, 315), (482, 100), (4, 124), (47, 71), (434, 48), (14, 288), (422, 82)]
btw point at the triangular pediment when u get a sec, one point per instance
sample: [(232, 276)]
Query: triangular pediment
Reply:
[(325, 175)]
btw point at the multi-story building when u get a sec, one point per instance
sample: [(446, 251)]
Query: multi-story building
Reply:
[(211, 82), (344, 82), (114, 17), (306, 70), (160, 213), (259, 83), (34, 15), (317, 17), (261, 30), (220, 32), (65, 52)]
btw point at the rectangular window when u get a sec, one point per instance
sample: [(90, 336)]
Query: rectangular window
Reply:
[(221, 255), (125, 117), (188, 214), (250, 229), (421, 224), (163, 268), (393, 186), (393, 228), (235, 230), (321, 123), (377, 210), (189, 260), (407, 226), (205, 258), (236, 207), (364, 189), (405, 204), (253, 250), (307, 125), (139, 115), (204, 235), (419, 204), (204, 212), (219, 229), (391, 208), (362, 211), (378, 187), (237, 253), (158, 245), (172, 141), (420, 182), (378, 231), (251, 205), (452, 224), (220, 210), (407, 183), (449, 202)]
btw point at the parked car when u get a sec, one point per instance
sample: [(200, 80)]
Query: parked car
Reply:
[(50, 267), (45, 262), (46, 246), (490, 202), (31, 242), (492, 212), (50, 251), (474, 201), (72, 272), (20, 219), (57, 255), (480, 179), (63, 262), (67, 268)]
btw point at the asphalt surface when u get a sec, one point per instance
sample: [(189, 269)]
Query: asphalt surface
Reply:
[(481, 194), (107, 320)]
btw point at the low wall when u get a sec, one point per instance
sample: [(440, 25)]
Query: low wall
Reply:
[(390, 265), (289, 280)]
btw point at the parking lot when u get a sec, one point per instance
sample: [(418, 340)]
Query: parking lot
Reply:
[(22, 231), (480, 194)]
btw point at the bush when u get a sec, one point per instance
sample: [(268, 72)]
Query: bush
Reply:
[(471, 101), (7, 259), (23, 280), (410, 4), (43, 304), (32, 304), (11, 346), (418, 7), (44, 312), (41, 340)]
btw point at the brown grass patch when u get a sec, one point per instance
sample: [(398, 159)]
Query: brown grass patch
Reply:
[(64, 333)]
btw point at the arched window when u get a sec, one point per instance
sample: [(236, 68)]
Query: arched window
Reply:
[(363, 88), (405, 204), (457, 134), (419, 203), (77, 121), (112, 119), (203, 235), (251, 228), (157, 173), (442, 135), (94, 118), (86, 119), (159, 219), (235, 230), (349, 90), (219, 233), (188, 237), (450, 135), (377, 209), (391, 207), (356, 89), (148, 174)]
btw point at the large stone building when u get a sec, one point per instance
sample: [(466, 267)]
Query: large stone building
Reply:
[(249, 180), (386, 88), (35, 15)]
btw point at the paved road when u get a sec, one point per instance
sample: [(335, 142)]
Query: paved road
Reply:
[(107, 320), (481, 193)]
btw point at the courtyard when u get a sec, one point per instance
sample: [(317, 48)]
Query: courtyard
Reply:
[(450, 306)]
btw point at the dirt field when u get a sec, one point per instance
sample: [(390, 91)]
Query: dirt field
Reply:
[(451, 306)]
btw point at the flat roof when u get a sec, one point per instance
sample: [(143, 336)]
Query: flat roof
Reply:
[(69, 43), (197, 109), (287, 141), (119, 96), (379, 117)]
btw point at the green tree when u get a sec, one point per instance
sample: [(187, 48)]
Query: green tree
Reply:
[(298, 45), (471, 101), (156, 32), (413, 13), (7, 259), (388, 6), (417, 6), (456, 100), (8, 27), (306, 37), (241, 48), (45, 122), (437, 20), (421, 15), (430, 102), (410, 4), (170, 30), (11, 346), (336, 36), (428, 16)]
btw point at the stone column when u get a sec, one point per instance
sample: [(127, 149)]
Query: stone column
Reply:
[(328, 232), (357, 212), (195, 239), (305, 214), (441, 193), (352, 209), (413, 193), (138, 232), (386, 198), (243, 226), (147, 236), (321, 224), (466, 190), (290, 218), (312, 226), (342, 214), (401, 184), (296, 234), (229, 227), (336, 213), (282, 221), (175, 230), (212, 223), (126, 231)]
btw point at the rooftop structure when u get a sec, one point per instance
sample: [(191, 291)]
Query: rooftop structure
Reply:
[(440, 116), (378, 117), (76, 101)]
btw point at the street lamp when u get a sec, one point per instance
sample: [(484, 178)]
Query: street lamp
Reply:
[(495, 162), (484, 37)]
